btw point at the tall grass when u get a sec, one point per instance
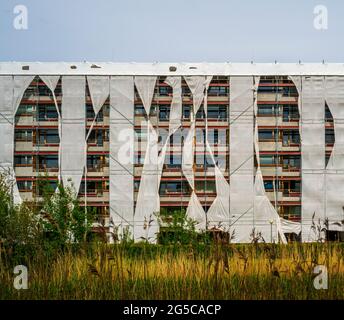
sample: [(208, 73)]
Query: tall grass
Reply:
[(51, 239), (143, 271)]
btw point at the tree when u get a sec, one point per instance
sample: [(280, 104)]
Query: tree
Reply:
[(63, 220)]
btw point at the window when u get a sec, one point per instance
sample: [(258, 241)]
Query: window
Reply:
[(217, 136), (90, 114), (174, 161), (95, 162), (31, 92), (204, 161), (290, 137), (141, 134), (186, 112), (46, 187), (200, 113), (44, 91), (200, 136), (139, 159), (170, 187), (47, 112), (153, 110), (329, 136), (139, 110), (328, 114), (291, 162), (289, 92), (268, 185), (48, 162), (185, 90), (267, 89), (97, 137), (176, 138), (291, 212), (267, 110), (218, 91), (25, 110), (23, 135), (163, 134), (267, 160), (290, 113), (164, 112), (205, 186), (213, 136), (217, 112), (290, 186), (22, 160), (92, 187), (136, 186), (24, 185), (200, 160), (48, 136), (165, 90), (266, 135)]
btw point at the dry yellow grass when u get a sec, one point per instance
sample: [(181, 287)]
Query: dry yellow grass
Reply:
[(212, 272)]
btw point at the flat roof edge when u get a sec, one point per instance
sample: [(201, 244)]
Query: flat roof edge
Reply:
[(170, 69)]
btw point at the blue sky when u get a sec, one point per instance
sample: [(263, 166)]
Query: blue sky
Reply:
[(175, 30)]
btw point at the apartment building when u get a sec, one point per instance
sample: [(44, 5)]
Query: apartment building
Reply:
[(242, 148)]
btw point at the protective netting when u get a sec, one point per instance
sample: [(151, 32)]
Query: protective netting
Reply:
[(313, 154), (241, 158), (11, 93), (121, 155), (73, 125), (242, 205), (146, 224)]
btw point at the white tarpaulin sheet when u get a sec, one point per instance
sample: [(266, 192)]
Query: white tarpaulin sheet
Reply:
[(72, 144), (313, 155), (175, 120), (99, 91), (334, 94), (290, 226), (11, 93), (241, 158), (218, 216), (146, 224), (195, 212), (121, 155), (267, 222)]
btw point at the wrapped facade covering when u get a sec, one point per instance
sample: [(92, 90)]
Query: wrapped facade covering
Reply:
[(73, 126), (241, 158), (147, 203), (198, 86), (121, 155), (267, 222), (253, 150), (11, 93), (313, 155), (334, 95)]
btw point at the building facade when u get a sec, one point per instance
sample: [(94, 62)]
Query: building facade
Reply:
[(256, 150)]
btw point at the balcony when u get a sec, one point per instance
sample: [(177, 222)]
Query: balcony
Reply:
[(23, 146)]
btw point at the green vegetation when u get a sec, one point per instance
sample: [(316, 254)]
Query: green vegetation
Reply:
[(51, 240)]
